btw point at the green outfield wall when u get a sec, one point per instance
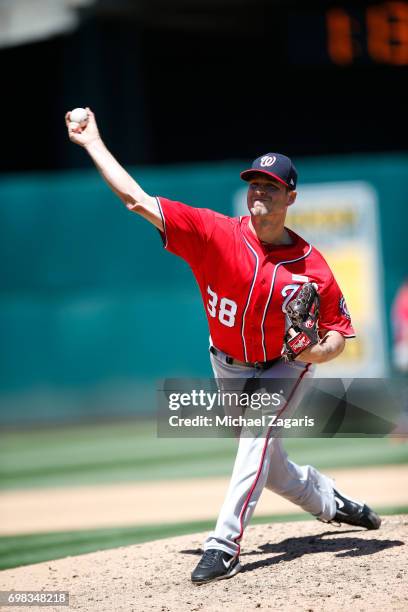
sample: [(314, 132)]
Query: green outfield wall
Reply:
[(93, 311)]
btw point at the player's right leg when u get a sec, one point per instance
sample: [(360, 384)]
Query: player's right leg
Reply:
[(302, 485), (308, 488), (353, 512)]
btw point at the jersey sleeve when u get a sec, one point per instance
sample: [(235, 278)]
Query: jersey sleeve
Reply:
[(334, 314), (187, 230)]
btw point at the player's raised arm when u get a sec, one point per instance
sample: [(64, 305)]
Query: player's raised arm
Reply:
[(126, 188)]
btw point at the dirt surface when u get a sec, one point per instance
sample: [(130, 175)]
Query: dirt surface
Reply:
[(306, 566), (172, 501)]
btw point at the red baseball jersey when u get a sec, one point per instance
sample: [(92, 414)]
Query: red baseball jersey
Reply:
[(245, 284)]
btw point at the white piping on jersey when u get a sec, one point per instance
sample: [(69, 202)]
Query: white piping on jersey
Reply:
[(163, 221), (271, 290), (249, 296)]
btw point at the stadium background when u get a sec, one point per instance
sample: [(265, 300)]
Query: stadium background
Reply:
[(93, 313)]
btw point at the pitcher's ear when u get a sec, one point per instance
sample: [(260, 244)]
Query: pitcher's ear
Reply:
[(291, 197)]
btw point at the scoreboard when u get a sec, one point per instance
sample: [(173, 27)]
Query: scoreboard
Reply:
[(347, 35)]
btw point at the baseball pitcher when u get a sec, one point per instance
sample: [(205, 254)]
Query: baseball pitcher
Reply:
[(274, 309)]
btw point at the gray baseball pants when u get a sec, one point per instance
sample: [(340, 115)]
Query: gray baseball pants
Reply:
[(261, 461)]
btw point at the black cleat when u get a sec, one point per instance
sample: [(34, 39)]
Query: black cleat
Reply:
[(354, 513), (215, 565)]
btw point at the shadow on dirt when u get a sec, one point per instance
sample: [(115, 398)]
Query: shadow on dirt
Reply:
[(293, 548)]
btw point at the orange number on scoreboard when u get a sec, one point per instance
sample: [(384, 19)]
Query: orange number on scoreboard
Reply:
[(387, 29), (387, 34), (339, 34)]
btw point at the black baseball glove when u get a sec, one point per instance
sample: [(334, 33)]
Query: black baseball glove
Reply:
[(302, 314)]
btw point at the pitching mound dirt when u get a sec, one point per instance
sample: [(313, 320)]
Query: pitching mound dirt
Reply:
[(306, 566)]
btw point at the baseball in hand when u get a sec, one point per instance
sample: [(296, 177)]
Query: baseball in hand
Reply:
[(79, 115), (73, 126)]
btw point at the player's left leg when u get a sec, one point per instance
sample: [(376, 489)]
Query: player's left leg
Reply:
[(222, 546), (249, 474)]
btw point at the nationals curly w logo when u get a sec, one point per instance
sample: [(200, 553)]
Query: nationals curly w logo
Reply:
[(268, 160)]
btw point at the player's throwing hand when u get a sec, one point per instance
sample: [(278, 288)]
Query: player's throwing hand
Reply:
[(82, 135)]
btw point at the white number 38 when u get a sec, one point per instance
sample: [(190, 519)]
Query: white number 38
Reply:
[(226, 311)]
